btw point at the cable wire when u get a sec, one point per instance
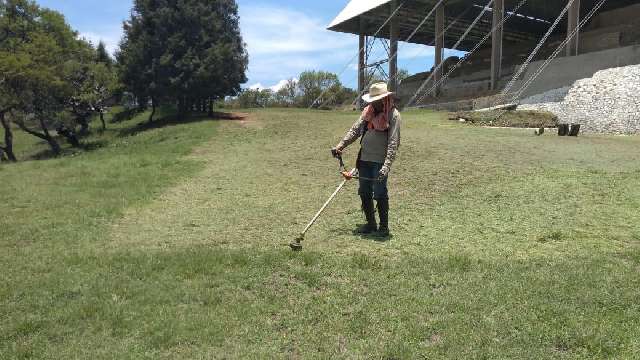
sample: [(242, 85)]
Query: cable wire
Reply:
[(465, 58), (360, 51)]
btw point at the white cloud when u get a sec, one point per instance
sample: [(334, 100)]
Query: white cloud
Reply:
[(277, 31), (282, 43), (110, 36), (281, 84), (274, 88)]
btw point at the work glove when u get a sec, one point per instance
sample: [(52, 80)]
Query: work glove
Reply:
[(336, 151), (383, 173)]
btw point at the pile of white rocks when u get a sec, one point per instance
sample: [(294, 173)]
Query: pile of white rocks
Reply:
[(609, 102), (551, 96)]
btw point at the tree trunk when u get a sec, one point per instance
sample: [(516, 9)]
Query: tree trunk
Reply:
[(84, 125), (180, 106), (45, 136), (55, 147), (210, 108), (69, 135), (8, 139), (153, 110), (104, 124)]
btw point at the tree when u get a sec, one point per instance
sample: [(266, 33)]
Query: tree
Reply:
[(402, 75), (183, 51), (38, 45), (102, 56), (139, 54), (251, 98), (14, 25), (317, 88), (288, 94), (7, 149), (93, 85)]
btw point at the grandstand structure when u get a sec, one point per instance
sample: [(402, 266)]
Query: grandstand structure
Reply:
[(514, 28)]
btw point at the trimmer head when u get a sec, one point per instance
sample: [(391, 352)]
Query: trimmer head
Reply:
[(296, 245)]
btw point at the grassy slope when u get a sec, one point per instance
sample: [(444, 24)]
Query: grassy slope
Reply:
[(506, 246)]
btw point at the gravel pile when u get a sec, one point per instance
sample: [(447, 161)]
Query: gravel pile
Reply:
[(609, 102), (551, 96)]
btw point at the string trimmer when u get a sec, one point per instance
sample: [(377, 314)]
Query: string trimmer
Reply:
[(296, 245)]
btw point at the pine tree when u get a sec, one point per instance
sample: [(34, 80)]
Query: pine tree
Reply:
[(102, 56), (186, 52)]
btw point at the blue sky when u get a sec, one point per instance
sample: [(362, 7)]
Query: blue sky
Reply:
[(283, 37)]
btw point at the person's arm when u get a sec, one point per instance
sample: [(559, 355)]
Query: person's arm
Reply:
[(352, 135), (393, 144)]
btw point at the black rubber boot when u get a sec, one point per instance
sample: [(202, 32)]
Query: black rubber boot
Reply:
[(370, 214), (383, 212)]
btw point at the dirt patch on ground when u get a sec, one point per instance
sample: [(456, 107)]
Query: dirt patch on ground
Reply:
[(244, 119), (230, 115)]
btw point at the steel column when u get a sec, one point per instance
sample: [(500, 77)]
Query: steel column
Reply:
[(393, 49), (574, 19), (439, 51), (362, 75), (496, 43)]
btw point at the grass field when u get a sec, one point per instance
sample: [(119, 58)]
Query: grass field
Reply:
[(172, 243)]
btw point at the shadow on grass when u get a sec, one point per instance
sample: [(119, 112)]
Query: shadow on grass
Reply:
[(125, 115), (375, 237), (176, 119), (87, 146)]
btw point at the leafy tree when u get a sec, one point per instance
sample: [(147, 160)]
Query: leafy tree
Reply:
[(287, 95), (183, 51), (93, 86), (34, 55), (14, 25), (251, 98), (317, 88), (402, 75)]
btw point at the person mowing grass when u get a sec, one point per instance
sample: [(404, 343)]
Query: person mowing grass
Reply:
[(379, 129)]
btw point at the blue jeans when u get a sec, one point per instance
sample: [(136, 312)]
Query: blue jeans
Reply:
[(369, 188)]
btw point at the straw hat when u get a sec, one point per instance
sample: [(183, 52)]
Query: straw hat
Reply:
[(376, 92)]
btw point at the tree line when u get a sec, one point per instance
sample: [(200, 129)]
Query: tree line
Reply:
[(312, 89), (186, 54), (319, 89), (49, 78), (53, 83)]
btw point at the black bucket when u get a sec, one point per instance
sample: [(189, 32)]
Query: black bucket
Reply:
[(575, 130), (563, 129)]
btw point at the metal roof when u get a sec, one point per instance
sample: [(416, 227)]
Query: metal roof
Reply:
[(530, 22), (356, 8)]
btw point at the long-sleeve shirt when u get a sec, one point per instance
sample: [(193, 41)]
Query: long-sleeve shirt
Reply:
[(377, 146)]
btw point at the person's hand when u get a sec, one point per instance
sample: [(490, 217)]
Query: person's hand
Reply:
[(336, 151), (383, 173)]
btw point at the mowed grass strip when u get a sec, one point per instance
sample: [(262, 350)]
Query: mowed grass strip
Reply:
[(505, 245)]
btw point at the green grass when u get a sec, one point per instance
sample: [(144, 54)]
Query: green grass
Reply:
[(172, 244)]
